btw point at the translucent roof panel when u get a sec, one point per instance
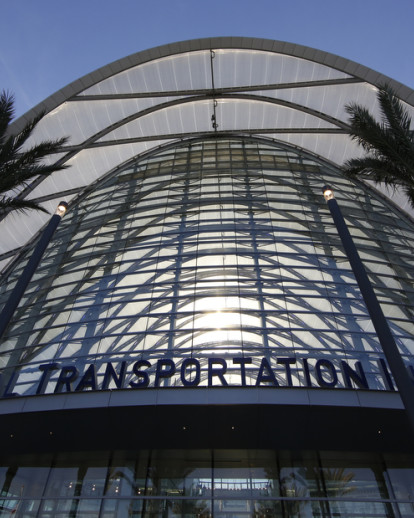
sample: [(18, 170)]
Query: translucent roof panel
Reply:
[(87, 166), (184, 118), (243, 114), (191, 71), (329, 100), (337, 149), (81, 120), (232, 114), (187, 71), (244, 67), (133, 107)]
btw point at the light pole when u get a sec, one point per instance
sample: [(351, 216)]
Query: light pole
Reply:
[(399, 371), (24, 279)]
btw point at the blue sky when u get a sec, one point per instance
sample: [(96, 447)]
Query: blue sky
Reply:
[(46, 44)]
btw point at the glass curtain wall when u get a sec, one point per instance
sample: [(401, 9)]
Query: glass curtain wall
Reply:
[(207, 483), (219, 259)]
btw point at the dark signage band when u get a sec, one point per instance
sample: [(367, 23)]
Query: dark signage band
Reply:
[(144, 374)]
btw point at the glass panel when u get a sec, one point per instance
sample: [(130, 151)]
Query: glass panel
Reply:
[(354, 476), (242, 474), (253, 483), (358, 509), (23, 482), (187, 251), (73, 475), (180, 473), (124, 508), (299, 476), (73, 508), (400, 476), (127, 475), (19, 508)]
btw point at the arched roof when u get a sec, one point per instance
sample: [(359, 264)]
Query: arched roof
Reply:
[(225, 86)]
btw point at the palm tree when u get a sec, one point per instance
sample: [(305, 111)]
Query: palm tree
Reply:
[(18, 167), (389, 143)]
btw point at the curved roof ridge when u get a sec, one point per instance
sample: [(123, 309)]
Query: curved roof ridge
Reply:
[(291, 49), (320, 86)]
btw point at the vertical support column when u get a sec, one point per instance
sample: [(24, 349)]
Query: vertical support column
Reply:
[(19, 289), (399, 371)]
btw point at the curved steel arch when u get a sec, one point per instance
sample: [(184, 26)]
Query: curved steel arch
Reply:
[(93, 140), (349, 73), (279, 47)]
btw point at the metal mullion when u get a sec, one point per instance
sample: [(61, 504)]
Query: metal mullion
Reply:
[(178, 263)]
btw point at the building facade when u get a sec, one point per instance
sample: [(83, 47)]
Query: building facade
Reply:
[(194, 341)]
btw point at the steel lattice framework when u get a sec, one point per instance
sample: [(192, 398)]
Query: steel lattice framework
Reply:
[(215, 247)]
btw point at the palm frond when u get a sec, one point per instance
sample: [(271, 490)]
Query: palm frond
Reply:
[(8, 204), (6, 113), (389, 143), (375, 169), (26, 132), (394, 115), (19, 167), (409, 192), (363, 127)]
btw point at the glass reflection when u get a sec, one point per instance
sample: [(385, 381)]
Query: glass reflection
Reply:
[(176, 473), (197, 483)]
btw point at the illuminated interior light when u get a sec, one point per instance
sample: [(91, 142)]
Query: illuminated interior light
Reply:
[(328, 193), (61, 209)]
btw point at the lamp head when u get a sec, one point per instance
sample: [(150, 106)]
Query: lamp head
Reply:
[(328, 193), (61, 209)]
